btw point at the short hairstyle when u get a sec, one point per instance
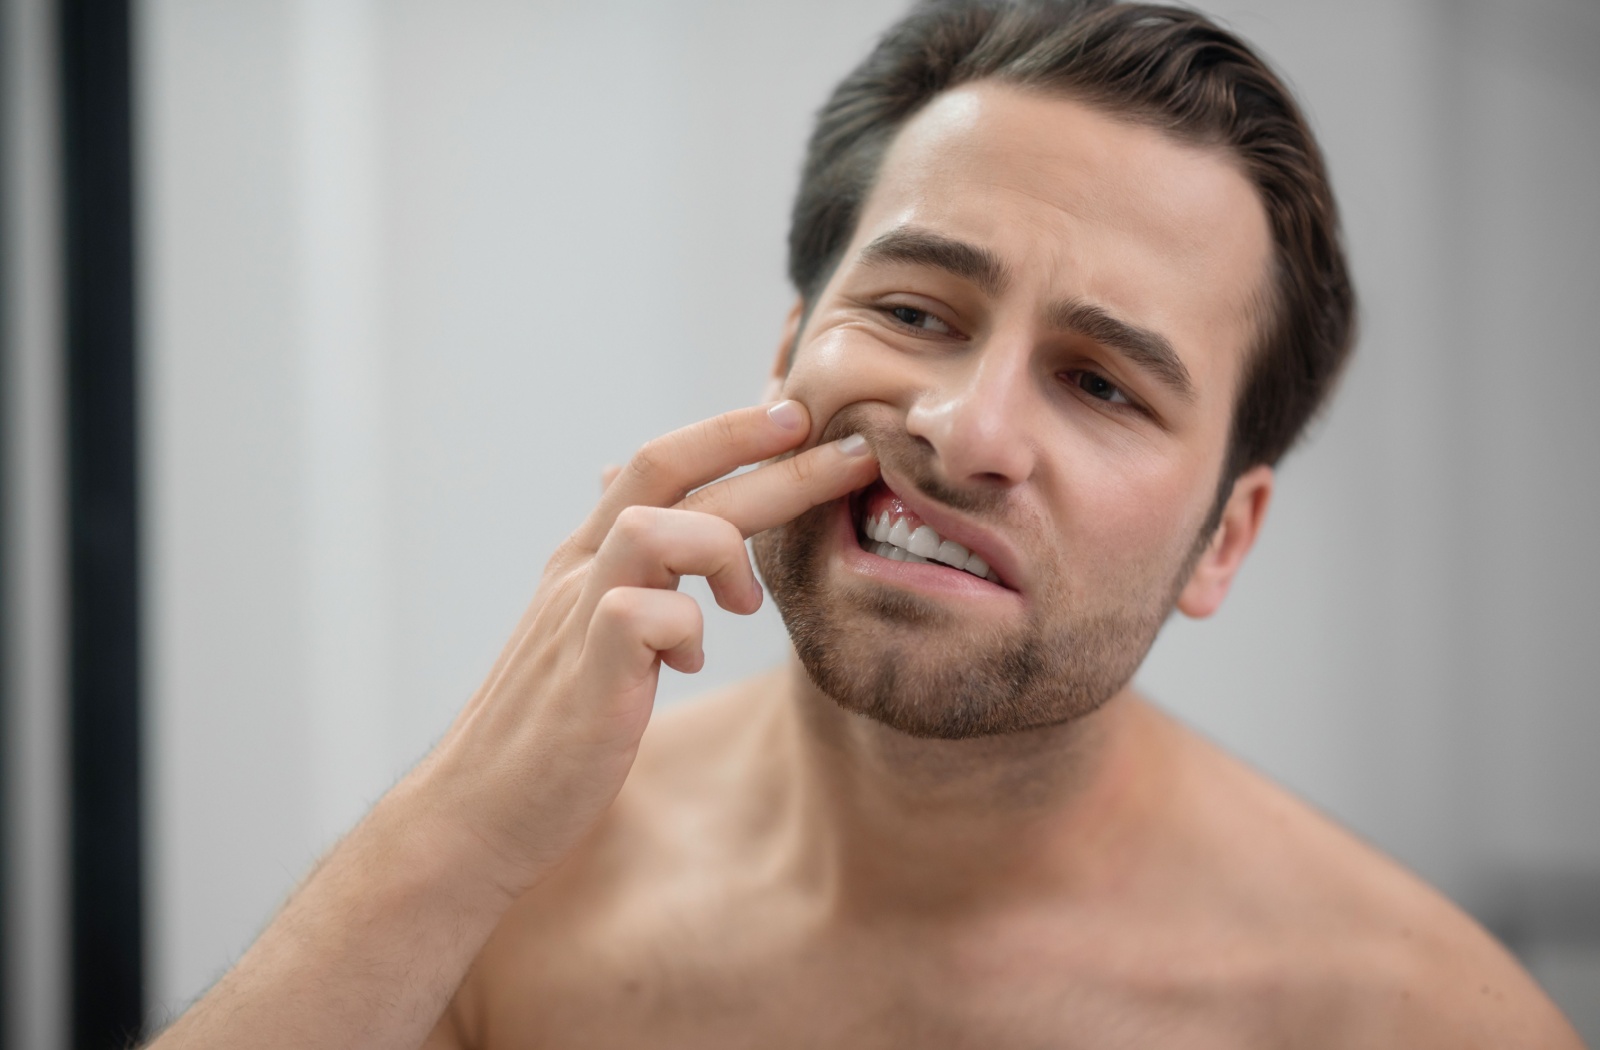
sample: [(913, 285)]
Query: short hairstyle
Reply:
[(1164, 67)]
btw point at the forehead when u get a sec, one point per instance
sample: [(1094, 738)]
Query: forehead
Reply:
[(1080, 204)]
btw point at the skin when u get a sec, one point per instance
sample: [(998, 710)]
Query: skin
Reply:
[(769, 867)]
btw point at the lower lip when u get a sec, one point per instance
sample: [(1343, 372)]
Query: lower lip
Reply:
[(928, 578)]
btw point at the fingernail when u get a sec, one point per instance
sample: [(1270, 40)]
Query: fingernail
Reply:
[(854, 445), (788, 415)]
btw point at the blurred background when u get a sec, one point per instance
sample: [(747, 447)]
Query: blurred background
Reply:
[(321, 318)]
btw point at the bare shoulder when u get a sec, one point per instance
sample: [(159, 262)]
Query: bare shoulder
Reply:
[(1358, 950)]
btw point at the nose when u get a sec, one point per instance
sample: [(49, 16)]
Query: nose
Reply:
[(975, 416)]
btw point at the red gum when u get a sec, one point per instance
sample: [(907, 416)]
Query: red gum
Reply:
[(880, 499)]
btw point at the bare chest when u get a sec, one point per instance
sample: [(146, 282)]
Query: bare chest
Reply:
[(726, 987)]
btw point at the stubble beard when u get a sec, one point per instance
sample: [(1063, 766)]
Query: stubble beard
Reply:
[(911, 664)]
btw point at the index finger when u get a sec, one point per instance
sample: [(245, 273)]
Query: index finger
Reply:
[(782, 491), (668, 468)]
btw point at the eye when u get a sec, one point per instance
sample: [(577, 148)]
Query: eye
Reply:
[(1098, 387), (911, 317)]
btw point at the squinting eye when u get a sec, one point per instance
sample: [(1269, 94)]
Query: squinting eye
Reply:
[(1099, 387), (914, 318)]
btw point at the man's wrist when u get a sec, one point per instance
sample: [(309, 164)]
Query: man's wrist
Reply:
[(434, 851)]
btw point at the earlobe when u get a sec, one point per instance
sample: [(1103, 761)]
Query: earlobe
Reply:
[(1242, 517), (781, 362)]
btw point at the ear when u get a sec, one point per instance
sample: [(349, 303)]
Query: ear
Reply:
[(780, 363), (1236, 533)]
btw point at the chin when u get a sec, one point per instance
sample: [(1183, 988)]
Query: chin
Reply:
[(918, 666)]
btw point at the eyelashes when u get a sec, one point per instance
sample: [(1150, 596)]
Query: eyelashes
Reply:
[(1098, 387), (921, 320)]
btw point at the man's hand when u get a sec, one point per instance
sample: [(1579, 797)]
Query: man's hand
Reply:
[(372, 947), (545, 744)]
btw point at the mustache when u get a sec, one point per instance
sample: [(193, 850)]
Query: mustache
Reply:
[(910, 458)]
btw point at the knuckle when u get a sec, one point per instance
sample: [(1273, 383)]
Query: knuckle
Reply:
[(731, 539), (651, 458), (635, 523), (803, 469), (712, 501), (728, 533), (689, 615), (620, 606), (725, 430)]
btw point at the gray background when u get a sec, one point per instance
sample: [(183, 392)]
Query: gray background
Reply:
[(414, 271)]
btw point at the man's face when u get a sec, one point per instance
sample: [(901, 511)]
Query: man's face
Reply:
[(1039, 326)]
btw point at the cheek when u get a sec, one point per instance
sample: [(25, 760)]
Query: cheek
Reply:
[(1151, 501), (1127, 527), (840, 367)]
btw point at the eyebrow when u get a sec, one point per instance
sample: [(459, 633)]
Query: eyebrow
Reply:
[(1147, 350), (909, 244)]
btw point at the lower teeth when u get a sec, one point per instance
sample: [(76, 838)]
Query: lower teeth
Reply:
[(893, 553), (901, 554)]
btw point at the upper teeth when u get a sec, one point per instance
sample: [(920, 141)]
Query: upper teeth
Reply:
[(894, 538)]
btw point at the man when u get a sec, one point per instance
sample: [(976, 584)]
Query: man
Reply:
[(1069, 285)]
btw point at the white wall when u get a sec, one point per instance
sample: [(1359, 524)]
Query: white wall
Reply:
[(416, 270)]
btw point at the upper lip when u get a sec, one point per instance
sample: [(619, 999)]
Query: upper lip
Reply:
[(990, 546)]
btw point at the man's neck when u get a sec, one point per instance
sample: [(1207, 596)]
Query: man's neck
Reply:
[(885, 821)]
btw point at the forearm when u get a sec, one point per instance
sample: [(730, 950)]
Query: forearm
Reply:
[(366, 954)]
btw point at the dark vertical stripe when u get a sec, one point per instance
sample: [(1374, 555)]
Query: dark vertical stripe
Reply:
[(97, 165), (8, 358)]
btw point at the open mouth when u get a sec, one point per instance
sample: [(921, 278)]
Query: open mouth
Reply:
[(886, 528)]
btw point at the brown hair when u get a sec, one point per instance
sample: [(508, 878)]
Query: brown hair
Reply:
[(1166, 67)]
